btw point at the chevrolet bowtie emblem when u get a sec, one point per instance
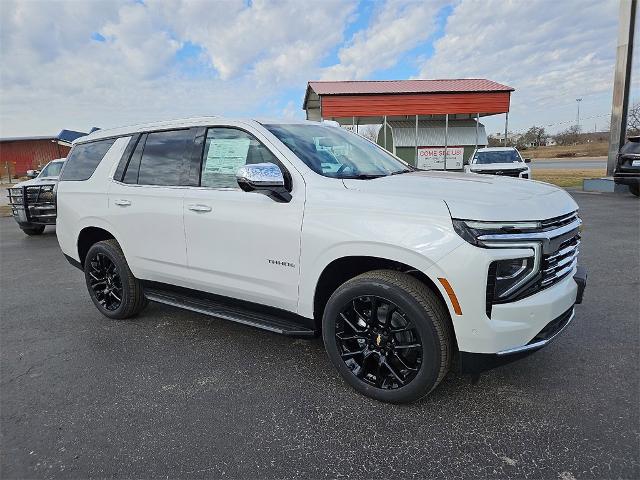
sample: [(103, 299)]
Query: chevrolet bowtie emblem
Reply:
[(378, 339)]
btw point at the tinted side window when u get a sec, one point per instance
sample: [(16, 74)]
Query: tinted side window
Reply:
[(84, 159), (163, 158), (131, 174), (226, 150)]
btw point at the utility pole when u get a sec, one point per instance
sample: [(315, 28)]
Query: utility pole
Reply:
[(621, 81), (578, 100)]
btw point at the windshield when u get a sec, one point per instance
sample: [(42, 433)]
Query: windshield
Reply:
[(336, 153), (52, 169), (499, 156)]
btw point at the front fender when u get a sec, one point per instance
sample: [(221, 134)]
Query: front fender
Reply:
[(312, 269)]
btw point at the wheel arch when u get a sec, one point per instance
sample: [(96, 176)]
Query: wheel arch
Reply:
[(345, 268), (89, 236)]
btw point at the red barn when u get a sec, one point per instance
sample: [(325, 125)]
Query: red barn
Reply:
[(19, 154)]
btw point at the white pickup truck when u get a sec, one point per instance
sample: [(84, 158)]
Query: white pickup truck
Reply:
[(303, 229), (505, 161), (33, 203)]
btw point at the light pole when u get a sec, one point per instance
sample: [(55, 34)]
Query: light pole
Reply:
[(578, 100)]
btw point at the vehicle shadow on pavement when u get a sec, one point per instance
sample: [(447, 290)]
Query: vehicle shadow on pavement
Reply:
[(312, 372)]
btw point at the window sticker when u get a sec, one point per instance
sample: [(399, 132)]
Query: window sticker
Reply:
[(226, 156)]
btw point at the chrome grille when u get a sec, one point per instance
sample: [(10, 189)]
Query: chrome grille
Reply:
[(561, 221), (558, 242), (502, 173), (560, 263)]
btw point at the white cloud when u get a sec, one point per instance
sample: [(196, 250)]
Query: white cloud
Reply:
[(138, 41), (279, 39), (398, 26), (250, 57), (550, 52), (56, 76)]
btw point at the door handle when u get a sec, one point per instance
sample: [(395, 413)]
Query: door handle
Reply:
[(197, 207), (122, 203)]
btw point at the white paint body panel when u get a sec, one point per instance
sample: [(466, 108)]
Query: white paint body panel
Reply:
[(405, 218)]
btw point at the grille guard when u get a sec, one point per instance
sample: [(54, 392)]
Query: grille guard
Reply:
[(38, 203)]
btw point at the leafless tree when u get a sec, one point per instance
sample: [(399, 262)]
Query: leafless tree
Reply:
[(570, 136), (535, 136), (494, 140), (633, 120), (369, 131)]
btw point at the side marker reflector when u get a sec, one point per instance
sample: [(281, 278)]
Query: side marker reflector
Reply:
[(452, 295)]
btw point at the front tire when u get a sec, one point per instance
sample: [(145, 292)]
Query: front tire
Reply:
[(389, 336), (112, 287), (635, 189), (33, 230)]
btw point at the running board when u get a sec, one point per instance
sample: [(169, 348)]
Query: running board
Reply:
[(235, 313)]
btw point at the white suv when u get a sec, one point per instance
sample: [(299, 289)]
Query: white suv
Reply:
[(505, 161), (301, 228)]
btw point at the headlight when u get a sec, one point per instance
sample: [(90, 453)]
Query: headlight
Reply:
[(510, 275), (507, 279), (471, 230)]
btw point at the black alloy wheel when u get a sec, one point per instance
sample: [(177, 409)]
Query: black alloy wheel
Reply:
[(105, 281), (389, 335), (378, 343), (115, 291)]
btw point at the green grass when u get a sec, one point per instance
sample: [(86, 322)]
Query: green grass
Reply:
[(568, 151), (567, 178)]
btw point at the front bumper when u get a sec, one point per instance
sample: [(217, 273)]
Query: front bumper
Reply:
[(475, 363)]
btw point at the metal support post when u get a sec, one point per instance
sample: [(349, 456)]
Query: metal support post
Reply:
[(416, 140), (477, 122), (506, 127), (621, 81), (446, 138), (385, 132)]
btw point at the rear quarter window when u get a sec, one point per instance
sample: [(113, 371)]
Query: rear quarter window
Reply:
[(84, 159), (631, 147)]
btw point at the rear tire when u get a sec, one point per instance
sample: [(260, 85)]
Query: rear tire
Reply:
[(112, 287), (635, 189), (34, 230), (400, 353)]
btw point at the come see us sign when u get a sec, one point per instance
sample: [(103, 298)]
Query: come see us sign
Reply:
[(432, 158)]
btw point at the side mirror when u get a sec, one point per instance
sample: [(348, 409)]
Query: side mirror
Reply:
[(264, 178), (33, 173), (527, 160)]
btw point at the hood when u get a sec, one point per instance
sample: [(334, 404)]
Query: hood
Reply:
[(498, 166), (474, 197), (38, 181)]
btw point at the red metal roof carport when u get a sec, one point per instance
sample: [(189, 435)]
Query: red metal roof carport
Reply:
[(375, 102)]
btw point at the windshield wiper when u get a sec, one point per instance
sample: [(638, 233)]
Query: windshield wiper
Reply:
[(363, 177), (400, 172)]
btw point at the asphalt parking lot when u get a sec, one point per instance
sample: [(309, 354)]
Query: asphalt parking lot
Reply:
[(177, 394)]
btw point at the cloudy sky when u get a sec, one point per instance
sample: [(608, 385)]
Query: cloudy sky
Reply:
[(79, 64)]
